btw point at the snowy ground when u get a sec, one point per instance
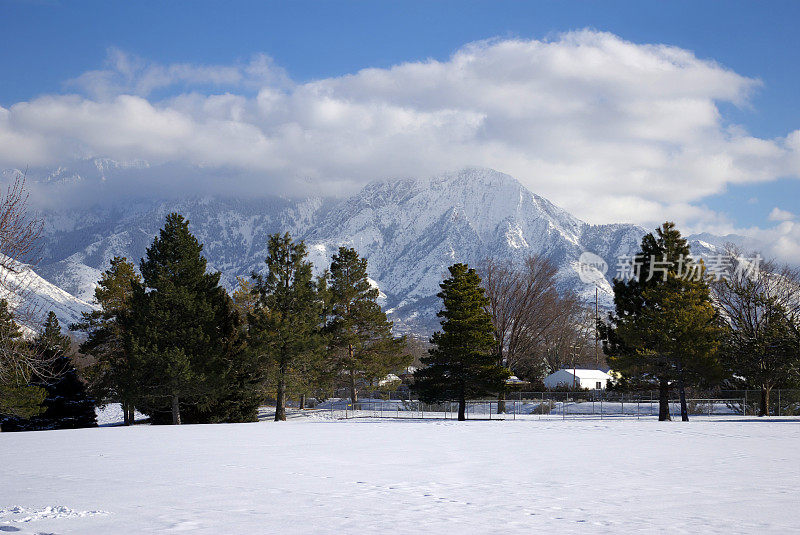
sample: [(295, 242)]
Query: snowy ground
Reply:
[(111, 414), (312, 475)]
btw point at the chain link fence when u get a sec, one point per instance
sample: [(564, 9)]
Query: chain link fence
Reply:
[(562, 405)]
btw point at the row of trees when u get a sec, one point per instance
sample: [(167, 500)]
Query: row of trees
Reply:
[(174, 345), (671, 329), (674, 331)]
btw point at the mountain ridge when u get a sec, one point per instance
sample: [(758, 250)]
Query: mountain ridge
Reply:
[(409, 230)]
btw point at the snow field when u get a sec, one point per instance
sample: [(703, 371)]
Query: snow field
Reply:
[(311, 475)]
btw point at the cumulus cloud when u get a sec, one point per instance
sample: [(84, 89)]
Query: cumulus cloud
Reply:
[(781, 215), (610, 130), (781, 241)]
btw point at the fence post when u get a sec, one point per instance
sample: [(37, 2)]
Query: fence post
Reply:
[(779, 402), (744, 407)]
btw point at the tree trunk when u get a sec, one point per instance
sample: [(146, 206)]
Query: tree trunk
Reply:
[(462, 409), (176, 410), (280, 402), (663, 400), (132, 413), (353, 391), (501, 396), (302, 401), (682, 392), (764, 405), (126, 415)]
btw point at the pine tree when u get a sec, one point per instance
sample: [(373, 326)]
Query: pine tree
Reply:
[(67, 405), (18, 399), (113, 374), (184, 335), (665, 327), (361, 336), (244, 297), (462, 363), (285, 326)]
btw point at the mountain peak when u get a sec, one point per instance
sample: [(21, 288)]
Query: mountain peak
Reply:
[(409, 230)]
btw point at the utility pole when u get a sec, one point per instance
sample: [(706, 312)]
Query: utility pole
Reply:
[(596, 319), (574, 369)]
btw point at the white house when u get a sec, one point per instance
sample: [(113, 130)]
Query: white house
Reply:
[(579, 377)]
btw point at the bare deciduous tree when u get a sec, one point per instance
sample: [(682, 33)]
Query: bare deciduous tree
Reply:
[(761, 306), (525, 306), (571, 339), (19, 235)]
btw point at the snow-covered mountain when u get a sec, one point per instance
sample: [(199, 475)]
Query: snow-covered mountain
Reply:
[(409, 230), (40, 297)]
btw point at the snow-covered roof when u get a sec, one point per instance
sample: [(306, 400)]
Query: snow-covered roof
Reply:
[(586, 373), (390, 378)]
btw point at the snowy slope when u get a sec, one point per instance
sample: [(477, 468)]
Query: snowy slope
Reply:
[(410, 231), (37, 296)]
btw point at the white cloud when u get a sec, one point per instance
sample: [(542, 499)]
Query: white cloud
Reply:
[(125, 73), (608, 129), (781, 241), (781, 215)]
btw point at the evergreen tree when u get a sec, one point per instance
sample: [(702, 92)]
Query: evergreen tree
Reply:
[(18, 398), (361, 336), (67, 404), (462, 363), (113, 373), (244, 297), (285, 326), (665, 328), (183, 334)]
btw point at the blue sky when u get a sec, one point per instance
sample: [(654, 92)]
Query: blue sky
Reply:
[(45, 46), (45, 43)]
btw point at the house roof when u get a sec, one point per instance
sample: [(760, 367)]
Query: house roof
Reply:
[(586, 373)]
